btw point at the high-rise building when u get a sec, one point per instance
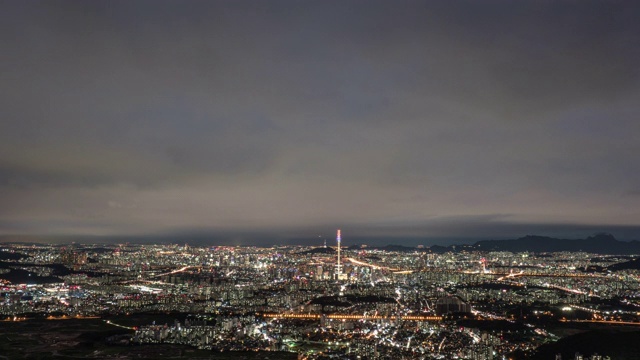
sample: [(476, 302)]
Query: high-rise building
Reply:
[(339, 275), (451, 304)]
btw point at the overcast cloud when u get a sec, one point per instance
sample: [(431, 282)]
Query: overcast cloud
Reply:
[(427, 119)]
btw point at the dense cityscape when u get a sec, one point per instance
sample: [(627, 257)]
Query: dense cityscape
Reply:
[(331, 301), (173, 175)]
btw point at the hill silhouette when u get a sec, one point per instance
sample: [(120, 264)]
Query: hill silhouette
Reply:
[(600, 244), (603, 243)]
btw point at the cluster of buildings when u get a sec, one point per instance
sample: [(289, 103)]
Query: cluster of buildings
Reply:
[(323, 302)]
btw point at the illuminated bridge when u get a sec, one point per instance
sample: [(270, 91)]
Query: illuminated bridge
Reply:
[(352, 317)]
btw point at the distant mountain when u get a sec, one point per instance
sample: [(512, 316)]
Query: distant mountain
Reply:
[(395, 248), (439, 249), (600, 244), (604, 244), (398, 248), (320, 250)]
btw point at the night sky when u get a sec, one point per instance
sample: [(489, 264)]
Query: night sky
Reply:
[(253, 120)]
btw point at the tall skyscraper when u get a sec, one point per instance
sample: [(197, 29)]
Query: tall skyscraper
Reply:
[(338, 265), (338, 273)]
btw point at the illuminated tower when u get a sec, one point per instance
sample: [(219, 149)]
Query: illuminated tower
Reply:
[(339, 275)]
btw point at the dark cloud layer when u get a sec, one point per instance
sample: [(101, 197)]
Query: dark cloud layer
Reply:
[(434, 119)]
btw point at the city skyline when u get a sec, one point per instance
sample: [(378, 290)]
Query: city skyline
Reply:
[(255, 122), (298, 302)]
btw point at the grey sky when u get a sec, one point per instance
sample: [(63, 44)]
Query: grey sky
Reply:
[(432, 118)]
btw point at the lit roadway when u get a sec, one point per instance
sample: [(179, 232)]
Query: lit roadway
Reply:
[(351, 317), (523, 274), (367, 264), (502, 275), (118, 325), (549, 286), (609, 322), (182, 269)]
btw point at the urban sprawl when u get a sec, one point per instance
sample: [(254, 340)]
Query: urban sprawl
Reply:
[(325, 302)]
